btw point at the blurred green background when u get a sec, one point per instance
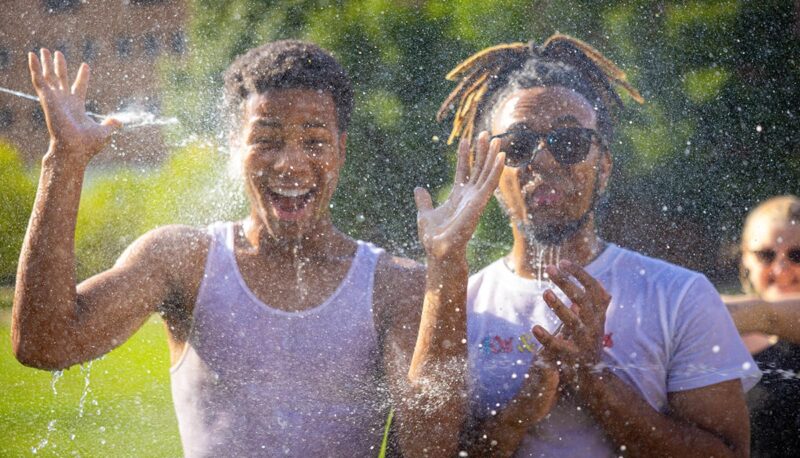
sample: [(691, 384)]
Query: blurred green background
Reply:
[(717, 135)]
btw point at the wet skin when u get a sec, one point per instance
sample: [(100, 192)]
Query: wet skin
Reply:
[(546, 193), (292, 153)]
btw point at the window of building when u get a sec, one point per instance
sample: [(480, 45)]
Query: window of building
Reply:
[(152, 104), (5, 59), (124, 46), (93, 107), (63, 48), (57, 6), (37, 117), (177, 42), (89, 50), (6, 117), (151, 45)]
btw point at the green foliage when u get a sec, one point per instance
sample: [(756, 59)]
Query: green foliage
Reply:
[(191, 187), (16, 201), (127, 408), (711, 73)]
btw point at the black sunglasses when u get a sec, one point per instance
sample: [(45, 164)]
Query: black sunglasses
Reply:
[(768, 255), (568, 145)]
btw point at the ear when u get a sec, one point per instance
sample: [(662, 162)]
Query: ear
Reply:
[(342, 147), (605, 166)]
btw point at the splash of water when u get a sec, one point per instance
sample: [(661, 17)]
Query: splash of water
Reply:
[(86, 371), (56, 377), (51, 427), (129, 118)]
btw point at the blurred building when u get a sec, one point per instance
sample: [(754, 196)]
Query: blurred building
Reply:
[(122, 40)]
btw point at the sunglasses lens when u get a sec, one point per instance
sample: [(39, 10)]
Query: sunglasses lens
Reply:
[(569, 146), (519, 151), (765, 256), (793, 255)]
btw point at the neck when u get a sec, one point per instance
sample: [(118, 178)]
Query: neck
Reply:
[(321, 241), (528, 257)]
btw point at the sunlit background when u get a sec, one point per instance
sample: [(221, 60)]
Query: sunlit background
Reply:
[(718, 133)]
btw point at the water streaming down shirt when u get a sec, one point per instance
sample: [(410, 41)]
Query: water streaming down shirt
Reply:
[(258, 381)]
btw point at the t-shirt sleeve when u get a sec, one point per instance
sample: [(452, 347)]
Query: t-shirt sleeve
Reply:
[(706, 347)]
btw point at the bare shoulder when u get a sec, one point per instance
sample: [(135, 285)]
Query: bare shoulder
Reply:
[(175, 252), (394, 274), (399, 289), (168, 245)]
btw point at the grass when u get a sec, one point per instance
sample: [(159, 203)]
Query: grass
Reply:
[(127, 410)]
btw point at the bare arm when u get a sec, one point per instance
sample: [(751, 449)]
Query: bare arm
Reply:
[(753, 314), (502, 434), (426, 351), (695, 424), (54, 322)]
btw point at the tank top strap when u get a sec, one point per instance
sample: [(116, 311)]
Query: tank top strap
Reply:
[(219, 260), (363, 270)]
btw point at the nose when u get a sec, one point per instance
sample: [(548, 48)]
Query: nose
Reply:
[(542, 161), (783, 272), (291, 159)]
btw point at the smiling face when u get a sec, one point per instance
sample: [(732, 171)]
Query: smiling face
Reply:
[(292, 153), (544, 198), (769, 257)]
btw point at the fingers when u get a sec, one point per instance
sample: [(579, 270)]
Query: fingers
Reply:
[(81, 83), (481, 149), (60, 65), (111, 125), (567, 316), (595, 291), (36, 71), (47, 66), (462, 163), (552, 344), (493, 177), (574, 292), (423, 199), (488, 161)]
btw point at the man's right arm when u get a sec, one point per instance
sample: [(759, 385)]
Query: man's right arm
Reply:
[(55, 323)]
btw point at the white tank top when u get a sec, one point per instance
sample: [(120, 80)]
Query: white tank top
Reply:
[(258, 381)]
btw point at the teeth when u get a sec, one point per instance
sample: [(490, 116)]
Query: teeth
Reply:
[(291, 192)]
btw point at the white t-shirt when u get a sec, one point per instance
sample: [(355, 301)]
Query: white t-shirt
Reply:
[(666, 330)]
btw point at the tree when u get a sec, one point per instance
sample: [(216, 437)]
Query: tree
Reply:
[(715, 136)]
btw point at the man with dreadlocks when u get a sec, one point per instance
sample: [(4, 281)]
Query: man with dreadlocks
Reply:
[(644, 355)]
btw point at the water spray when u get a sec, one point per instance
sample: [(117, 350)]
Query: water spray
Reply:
[(129, 118)]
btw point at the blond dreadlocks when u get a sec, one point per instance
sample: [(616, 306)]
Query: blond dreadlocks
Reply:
[(561, 60)]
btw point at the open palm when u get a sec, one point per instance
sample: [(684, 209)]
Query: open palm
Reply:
[(71, 130), (446, 229)]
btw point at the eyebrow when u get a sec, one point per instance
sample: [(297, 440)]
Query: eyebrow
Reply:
[(567, 119), (314, 125), (266, 122), (275, 124)]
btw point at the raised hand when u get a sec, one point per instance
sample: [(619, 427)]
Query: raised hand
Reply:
[(580, 347), (72, 132), (446, 229)]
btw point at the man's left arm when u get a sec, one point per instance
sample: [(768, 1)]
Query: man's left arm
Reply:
[(426, 351), (707, 421)]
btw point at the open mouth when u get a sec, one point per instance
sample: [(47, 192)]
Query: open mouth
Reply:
[(290, 203), (542, 195)]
